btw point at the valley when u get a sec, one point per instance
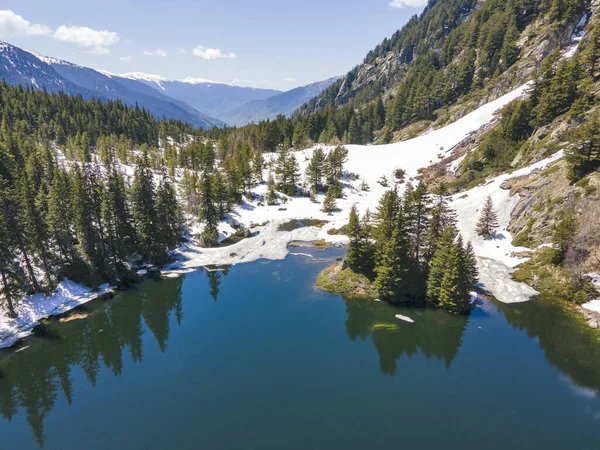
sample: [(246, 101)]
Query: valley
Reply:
[(179, 249)]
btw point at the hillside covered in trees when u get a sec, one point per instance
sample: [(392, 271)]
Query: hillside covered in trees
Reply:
[(455, 52)]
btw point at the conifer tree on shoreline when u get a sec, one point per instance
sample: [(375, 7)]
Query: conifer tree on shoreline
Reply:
[(398, 272)]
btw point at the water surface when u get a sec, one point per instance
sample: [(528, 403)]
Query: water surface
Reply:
[(256, 357)]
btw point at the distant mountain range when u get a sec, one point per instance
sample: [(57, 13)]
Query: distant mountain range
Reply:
[(213, 98), (234, 105), (284, 103), (18, 66), (203, 103)]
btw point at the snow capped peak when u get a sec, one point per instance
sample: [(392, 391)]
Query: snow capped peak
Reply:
[(147, 77), (50, 60), (199, 80), (4, 46), (158, 79), (105, 72), (144, 76)]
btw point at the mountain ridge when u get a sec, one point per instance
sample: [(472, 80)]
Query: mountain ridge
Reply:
[(285, 103), (37, 71)]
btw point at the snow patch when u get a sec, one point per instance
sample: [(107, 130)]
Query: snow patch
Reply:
[(371, 163), (594, 306), (496, 254), (404, 318), (149, 78), (33, 308)]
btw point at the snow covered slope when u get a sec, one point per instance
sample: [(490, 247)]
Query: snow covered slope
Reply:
[(495, 256), (371, 163)]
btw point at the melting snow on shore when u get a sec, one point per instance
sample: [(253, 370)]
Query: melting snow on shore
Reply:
[(496, 260), (33, 308), (369, 162), (593, 305)]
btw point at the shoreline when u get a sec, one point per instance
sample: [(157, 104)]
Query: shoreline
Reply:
[(368, 164), (68, 295)]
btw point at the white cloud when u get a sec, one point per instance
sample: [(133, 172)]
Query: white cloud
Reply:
[(408, 3), (289, 80), (87, 37), (211, 53), (98, 51), (13, 25), (126, 58), (180, 51), (158, 52)]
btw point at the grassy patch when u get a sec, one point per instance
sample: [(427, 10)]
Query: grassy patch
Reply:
[(556, 281), (321, 244), (346, 282), (294, 224), (236, 237), (522, 239), (342, 231)]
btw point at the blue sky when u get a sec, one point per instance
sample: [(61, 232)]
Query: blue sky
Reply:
[(263, 43)]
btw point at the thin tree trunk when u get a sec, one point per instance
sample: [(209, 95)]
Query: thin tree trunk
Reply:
[(30, 271), (11, 309)]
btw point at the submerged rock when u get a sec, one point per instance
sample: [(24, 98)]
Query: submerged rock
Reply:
[(107, 295), (73, 317)]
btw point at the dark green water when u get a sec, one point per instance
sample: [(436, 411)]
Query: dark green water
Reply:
[(258, 358)]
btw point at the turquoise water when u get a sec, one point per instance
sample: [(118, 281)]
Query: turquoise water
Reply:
[(257, 358)]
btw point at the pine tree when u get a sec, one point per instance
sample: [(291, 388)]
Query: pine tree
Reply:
[(439, 264), (84, 224), (223, 198), (292, 175), (258, 165), (286, 169), (59, 215), (367, 248), (471, 264), (378, 113), (33, 223), (116, 216), (397, 276), (454, 293), (208, 212), (169, 215), (564, 233), (386, 216), (8, 257), (315, 170), (329, 204), (417, 208), (488, 221), (583, 151), (354, 253), (441, 218), (143, 200), (271, 194)]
